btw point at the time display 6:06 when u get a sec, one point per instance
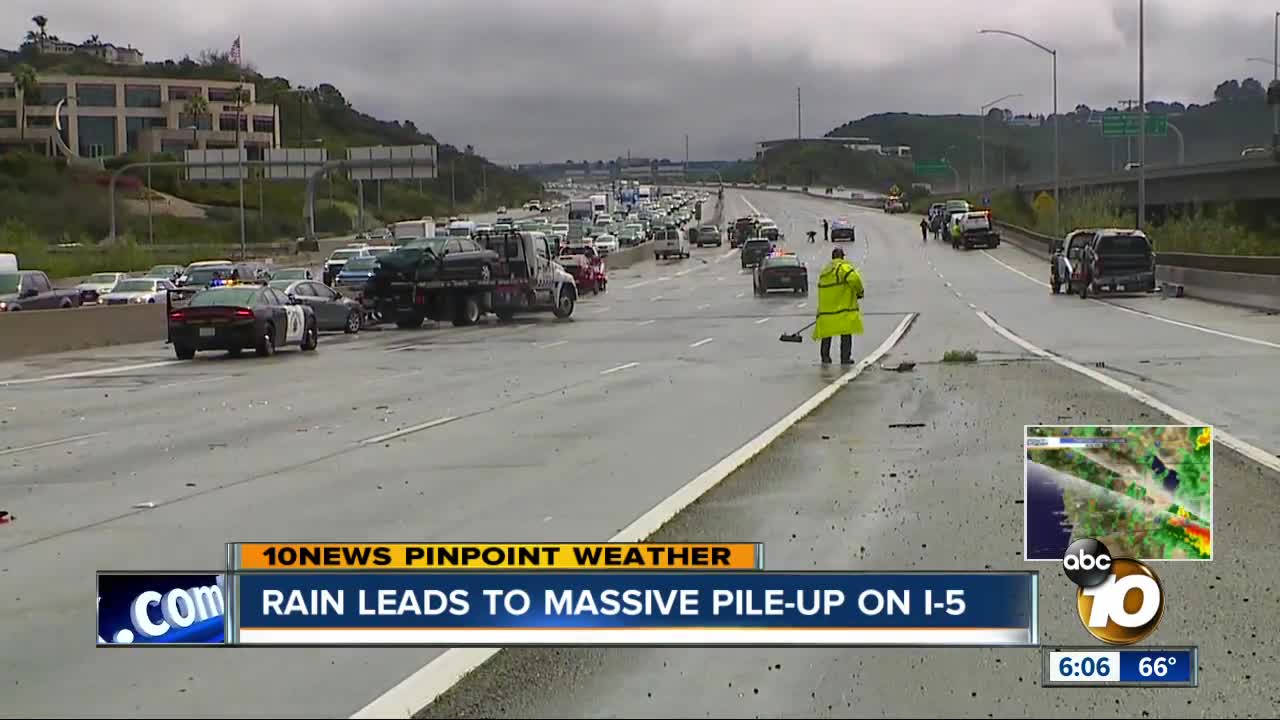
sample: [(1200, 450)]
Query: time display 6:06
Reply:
[(1081, 666)]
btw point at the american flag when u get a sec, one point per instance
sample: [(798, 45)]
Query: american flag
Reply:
[(235, 51)]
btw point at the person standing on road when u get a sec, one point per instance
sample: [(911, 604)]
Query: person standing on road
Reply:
[(839, 289), (924, 230), (825, 228)]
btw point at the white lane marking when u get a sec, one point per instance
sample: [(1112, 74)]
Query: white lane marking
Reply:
[(635, 285), (948, 283), (701, 342), (762, 321), (182, 383), (728, 254), (398, 348), (409, 430), (754, 209), (63, 441), (959, 294), (703, 307), (739, 294), (800, 306), (647, 322), (684, 272), (1252, 452), (600, 309), (544, 346), (90, 373), (719, 278), (620, 368), (972, 306), (664, 277), (1171, 321), (397, 376), (655, 298), (432, 680)]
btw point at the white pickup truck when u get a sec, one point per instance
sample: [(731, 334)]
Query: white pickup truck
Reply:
[(973, 229)]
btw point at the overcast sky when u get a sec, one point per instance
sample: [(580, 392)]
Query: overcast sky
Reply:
[(589, 79)]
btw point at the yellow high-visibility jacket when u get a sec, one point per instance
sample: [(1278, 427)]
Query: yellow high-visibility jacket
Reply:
[(839, 287)]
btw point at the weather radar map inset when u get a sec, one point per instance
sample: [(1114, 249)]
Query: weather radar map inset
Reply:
[(1145, 491)]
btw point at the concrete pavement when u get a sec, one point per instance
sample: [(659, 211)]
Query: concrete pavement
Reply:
[(571, 430)]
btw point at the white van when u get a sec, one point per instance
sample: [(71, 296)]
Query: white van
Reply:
[(8, 263), (670, 242)]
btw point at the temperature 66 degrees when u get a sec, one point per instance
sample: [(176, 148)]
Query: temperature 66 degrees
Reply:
[(1158, 667), (954, 604)]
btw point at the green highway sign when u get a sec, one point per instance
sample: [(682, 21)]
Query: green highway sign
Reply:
[(1116, 124), (938, 167)]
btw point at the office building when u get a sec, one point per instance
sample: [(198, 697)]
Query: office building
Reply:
[(105, 116)]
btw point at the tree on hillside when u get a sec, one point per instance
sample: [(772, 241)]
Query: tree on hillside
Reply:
[(1227, 91), (24, 82), (1252, 91)]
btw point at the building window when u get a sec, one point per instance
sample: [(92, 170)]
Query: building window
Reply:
[(96, 95), (8, 120), (39, 121), (97, 136), (8, 92), (143, 96), (50, 94), (183, 92), (204, 122), (264, 124), (227, 121), (225, 95)]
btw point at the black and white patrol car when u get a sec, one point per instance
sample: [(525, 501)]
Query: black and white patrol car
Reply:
[(238, 317)]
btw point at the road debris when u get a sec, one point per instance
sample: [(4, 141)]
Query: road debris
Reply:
[(900, 367), (6, 517), (906, 425)]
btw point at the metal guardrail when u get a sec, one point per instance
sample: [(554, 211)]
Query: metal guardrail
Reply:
[(1247, 264)]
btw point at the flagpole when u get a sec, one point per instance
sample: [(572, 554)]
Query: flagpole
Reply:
[(240, 99)]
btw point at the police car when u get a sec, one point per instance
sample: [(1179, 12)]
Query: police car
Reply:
[(781, 271), (240, 316)]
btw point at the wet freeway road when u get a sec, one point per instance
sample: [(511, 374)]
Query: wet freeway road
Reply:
[(546, 430)]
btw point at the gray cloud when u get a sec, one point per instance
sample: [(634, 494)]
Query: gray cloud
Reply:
[(588, 79)]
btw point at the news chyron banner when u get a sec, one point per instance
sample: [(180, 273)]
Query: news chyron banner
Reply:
[(511, 594)]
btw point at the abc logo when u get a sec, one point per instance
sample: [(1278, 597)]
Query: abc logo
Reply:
[(1120, 600)]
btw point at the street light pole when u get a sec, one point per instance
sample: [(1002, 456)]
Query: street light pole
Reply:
[(1057, 157), (982, 113), (1142, 118)]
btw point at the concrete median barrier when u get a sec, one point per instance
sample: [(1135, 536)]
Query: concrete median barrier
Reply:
[(35, 332)]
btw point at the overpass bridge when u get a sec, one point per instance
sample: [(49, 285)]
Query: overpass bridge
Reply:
[(1241, 179)]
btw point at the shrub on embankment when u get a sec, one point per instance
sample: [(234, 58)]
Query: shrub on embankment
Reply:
[(1223, 230)]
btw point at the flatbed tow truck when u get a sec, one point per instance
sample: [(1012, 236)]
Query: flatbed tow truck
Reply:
[(525, 279)]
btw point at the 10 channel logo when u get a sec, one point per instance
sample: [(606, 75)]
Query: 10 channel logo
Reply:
[(1120, 600)]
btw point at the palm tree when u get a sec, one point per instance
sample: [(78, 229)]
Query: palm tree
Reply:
[(195, 108), (41, 22), (28, 91)]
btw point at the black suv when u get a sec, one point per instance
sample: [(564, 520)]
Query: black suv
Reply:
[(754, 250)]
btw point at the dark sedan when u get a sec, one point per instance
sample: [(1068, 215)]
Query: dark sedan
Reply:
[(444, 258), (781, 272), (239, 317), (332, 309)]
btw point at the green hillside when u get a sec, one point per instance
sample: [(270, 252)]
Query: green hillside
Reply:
[(62, 204), (796, 163), (1236, 118)]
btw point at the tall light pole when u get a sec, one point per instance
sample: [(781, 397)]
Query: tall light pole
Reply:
[(1057, 164), (982, 115), (1142, 117), (1275, 77)]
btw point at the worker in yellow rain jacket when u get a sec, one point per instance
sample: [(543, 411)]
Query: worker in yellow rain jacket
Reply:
[(839, 289)]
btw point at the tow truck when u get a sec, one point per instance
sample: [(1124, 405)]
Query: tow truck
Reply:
[(408, 287)]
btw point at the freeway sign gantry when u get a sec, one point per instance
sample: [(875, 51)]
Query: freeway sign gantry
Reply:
[(1115, 124), (932, 167)]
